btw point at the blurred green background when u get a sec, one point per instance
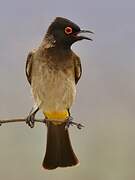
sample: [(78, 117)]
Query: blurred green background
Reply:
[(105, 101)]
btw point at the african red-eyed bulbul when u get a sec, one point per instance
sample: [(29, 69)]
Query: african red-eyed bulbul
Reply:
[(53, 71)]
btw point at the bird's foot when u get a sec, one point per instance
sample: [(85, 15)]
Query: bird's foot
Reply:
[(30, 120), (72, 123)]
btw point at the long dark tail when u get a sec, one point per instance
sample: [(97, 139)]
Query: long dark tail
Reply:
[(59, 152)]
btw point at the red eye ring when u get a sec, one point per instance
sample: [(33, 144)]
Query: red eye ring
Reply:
[(68, 30)]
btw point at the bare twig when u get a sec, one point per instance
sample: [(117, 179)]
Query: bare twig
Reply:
[(79, 126), (19, 120)]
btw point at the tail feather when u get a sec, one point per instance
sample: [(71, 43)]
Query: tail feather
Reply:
[(59, 152)]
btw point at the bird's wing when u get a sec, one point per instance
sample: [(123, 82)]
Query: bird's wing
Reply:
[(78, 69), (28, 67)]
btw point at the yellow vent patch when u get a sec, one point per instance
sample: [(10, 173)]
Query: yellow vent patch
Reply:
[(57, 115)]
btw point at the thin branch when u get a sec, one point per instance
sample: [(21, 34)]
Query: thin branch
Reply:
[(78, 125), (19, 120)]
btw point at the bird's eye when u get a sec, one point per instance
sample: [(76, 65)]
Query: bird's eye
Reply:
[(68, 30)]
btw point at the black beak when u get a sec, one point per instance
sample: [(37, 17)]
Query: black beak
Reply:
[(84, 37)]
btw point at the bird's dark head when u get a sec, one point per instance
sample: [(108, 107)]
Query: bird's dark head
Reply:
[(64, 32)]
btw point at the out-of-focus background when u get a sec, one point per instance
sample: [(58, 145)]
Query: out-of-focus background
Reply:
[(105, 101)]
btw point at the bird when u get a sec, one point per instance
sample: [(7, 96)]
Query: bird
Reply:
[(53, 71)]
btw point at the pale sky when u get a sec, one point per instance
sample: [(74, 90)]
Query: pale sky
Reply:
[(105, 101)]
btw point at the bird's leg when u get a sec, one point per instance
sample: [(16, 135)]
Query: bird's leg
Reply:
[(70, 122), (30, 120)]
